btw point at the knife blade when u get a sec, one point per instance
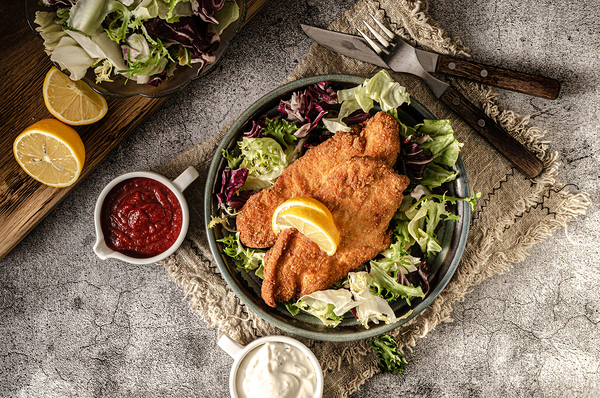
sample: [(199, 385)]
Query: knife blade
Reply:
[(405, 59)]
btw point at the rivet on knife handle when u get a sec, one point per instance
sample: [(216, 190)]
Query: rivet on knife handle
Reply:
[(516, 81), (506, 144)]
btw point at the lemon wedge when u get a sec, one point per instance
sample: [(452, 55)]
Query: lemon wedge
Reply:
[(302, 201), (311, 218), (72, 102), (51, 152)]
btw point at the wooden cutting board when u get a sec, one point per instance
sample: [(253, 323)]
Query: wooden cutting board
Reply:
[(24, 202)]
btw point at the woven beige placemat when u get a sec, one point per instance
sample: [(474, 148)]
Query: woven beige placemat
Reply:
[(513, 213)]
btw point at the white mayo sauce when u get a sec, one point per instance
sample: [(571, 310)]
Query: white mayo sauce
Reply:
[(276, 370)]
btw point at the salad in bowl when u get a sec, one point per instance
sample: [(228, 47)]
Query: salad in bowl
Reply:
[(428, 230), (128, 47)]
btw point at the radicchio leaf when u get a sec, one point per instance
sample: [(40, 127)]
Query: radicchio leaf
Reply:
[(415, 159), (420, 277), (424, 272), (257, 129), (358, 116), (231, 181), (207, 9), (308, 107), (192, 33), (157, 79), (324, 93), (58, 3), (238, 201)]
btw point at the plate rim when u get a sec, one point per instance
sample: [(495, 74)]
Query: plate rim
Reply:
[(375, 329)]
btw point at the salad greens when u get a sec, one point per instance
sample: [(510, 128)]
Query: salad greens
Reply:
[(429, 154), (264, 153), (143, 40), (380, 88), (243, 257), (390, 358)]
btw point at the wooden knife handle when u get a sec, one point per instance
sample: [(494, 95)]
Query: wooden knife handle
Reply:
[(506, 144), (515, 81)]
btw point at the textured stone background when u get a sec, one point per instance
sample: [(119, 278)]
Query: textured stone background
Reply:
[(74, 326)]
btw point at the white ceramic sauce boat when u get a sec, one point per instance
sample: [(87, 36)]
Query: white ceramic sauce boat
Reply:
[(177, 186)]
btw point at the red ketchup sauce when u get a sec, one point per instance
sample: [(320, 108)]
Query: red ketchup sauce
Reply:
[(141, 218)]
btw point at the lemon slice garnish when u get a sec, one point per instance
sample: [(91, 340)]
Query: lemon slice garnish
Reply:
[(302, 201), (311, 218)]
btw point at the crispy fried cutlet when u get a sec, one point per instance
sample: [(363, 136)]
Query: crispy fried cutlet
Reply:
[(362, 194), (378, 138)]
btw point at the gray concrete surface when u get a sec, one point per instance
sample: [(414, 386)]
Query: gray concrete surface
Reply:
[(74, 326)]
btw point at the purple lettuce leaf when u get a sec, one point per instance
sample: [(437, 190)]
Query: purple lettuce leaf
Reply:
[(207, 9), (157, 79), (324, 93), (419, 277), (257, 129), (302, 108), (238, 201), (358, 116), (308, 107), (295, 108), (231, 181), (192, 33), (58, 3), (415, 159)]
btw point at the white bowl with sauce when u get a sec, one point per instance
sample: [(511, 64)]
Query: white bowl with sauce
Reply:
[(273, 367), (104, 248)]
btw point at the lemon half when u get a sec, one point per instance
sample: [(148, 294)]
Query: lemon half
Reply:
[(72, 102), (51, 152)]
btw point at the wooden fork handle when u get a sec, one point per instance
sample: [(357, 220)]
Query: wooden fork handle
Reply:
[(515, 81), (506, 144)]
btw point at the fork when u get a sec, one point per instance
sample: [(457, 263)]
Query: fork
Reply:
[(402, 57), (538, 86)]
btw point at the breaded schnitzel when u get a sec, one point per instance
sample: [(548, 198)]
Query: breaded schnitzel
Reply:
[(379, 138), (362, 194)]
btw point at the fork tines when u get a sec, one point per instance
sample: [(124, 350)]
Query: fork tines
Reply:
[(384, 42)]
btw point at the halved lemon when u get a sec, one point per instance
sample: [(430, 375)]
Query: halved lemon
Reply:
[(316, 223), (51, 152), (72, 102)]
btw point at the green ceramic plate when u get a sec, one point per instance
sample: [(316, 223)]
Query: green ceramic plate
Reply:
[(246, 286)]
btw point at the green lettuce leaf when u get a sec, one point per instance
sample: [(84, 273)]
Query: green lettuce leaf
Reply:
[(50, 28), (265, 160), (327, 305), (225, 17), (370, 307), (390, 358), (425, 216), (388, 93), (281, 130), (243, 257), (435, 175), (70, 56), (443, 147), (385, 283), (380, 88)]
